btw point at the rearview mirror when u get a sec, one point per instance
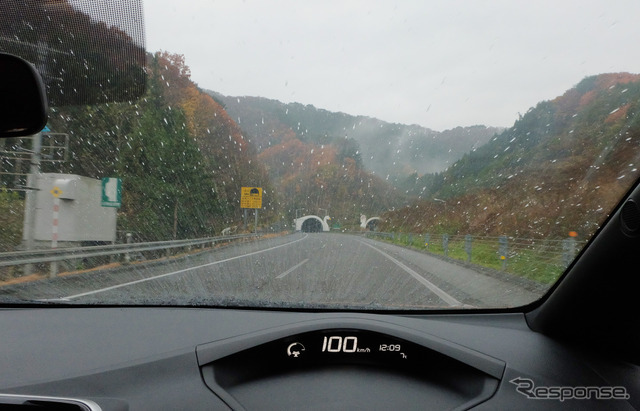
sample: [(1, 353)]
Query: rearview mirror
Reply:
[(23, 104)]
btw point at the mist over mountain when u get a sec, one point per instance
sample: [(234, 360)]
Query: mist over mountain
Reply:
[(389, 150)]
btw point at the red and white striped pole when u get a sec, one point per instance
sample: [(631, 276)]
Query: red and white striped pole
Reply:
[(54, 228)]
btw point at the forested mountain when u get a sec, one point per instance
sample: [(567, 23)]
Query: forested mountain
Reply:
[(560, 168), (389, 150)]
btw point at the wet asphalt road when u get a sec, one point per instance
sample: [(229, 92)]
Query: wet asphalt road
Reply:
[(299, 270)]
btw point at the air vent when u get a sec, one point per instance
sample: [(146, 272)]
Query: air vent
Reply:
[(19, 402), (630, 217)]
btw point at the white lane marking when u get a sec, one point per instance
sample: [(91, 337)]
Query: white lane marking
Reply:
[(431, 286), (292, 268), (113, 287)]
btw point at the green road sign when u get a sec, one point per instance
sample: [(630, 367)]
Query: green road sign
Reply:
[(111, 192)]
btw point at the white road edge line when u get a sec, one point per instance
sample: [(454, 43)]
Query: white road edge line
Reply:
[(113, 287), (436, 290), (292, 268)]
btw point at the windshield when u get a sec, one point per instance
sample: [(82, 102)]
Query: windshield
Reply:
[(342, 155)]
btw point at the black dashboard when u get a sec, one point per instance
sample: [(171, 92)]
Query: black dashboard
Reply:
[(187, 358)]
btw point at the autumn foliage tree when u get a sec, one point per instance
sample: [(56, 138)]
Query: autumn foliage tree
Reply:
[(231, 156)]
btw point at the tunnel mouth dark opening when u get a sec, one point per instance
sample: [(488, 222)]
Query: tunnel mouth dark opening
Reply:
[(372, 225), (312, 225)]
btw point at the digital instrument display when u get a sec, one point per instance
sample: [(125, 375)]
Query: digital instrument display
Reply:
[(344, 345)]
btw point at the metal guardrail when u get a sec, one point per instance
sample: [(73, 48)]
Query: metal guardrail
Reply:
[(61, 254), (562, 251)]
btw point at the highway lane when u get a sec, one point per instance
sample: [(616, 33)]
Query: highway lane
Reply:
[(300, 270)]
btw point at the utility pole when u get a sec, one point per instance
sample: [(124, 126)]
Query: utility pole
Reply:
[(29, 225)]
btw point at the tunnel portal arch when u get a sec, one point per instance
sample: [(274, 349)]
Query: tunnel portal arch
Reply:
[(372, 223), (312, 224)]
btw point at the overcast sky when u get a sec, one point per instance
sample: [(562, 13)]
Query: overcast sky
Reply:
[(440, 64)]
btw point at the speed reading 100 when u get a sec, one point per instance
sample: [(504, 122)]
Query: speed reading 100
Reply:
[(336, 343)]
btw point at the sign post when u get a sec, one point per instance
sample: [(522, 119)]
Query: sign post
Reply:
[(251, 197)]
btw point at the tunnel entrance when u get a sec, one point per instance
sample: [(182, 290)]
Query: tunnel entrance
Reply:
[(311, 225), (372, 225)]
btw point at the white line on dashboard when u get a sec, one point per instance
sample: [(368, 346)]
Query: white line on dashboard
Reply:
[(113, 287), (292, 268), (431, 286)]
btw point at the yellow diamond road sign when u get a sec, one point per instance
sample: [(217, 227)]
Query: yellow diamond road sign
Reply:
[(56, 192), (251, 197)]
